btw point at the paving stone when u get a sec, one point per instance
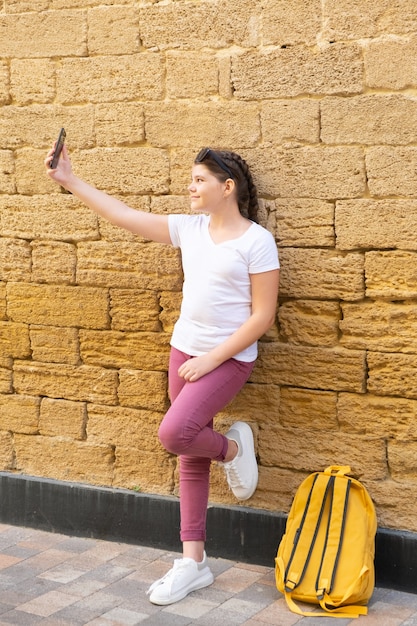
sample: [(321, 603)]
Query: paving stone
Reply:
[(47, 579)]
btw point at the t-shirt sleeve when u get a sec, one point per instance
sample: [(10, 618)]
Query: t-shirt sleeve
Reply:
[(174, 225), (264, 253)]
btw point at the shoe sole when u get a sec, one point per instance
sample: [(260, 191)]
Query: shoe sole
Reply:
[(207, 580), (246, 436)]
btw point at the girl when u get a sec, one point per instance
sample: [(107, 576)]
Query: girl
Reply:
[(230, 290)]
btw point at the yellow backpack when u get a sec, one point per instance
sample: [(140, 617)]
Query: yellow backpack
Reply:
[(326, 556)]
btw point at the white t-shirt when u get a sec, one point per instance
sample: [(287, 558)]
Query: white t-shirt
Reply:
[(217, 290)]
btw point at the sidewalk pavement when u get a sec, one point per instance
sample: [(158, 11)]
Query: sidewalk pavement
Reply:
[(56, 580)]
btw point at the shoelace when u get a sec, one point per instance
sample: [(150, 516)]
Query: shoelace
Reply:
[(169, 577), (233, 477)]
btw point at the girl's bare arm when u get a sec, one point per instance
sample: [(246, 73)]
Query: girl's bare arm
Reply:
[(148, 225)]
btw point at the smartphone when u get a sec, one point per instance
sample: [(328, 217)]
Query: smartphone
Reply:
[(58, 148)]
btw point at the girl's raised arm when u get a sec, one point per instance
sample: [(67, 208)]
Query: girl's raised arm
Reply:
[(148, 225)]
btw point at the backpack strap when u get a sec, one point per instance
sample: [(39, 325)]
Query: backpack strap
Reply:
[(339, 500), (351, 610), (331, 552), (309, 527), (342, 612)]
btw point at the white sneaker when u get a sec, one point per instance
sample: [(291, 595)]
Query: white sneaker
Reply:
[(242, 471), (185, 576)]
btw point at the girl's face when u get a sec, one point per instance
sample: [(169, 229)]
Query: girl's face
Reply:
[(207, 192)]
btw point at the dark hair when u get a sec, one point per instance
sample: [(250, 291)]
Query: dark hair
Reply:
[(247, 196)]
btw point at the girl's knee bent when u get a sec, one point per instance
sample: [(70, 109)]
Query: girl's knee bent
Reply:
[(170, 438)]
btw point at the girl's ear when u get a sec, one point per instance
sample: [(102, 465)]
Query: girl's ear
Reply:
[(229, 186)]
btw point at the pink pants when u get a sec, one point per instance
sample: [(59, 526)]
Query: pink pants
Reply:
[(187, 430)]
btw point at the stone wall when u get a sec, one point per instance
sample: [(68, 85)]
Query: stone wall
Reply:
[(320, 98)]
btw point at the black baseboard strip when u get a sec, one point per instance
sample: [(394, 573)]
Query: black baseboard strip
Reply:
[(236, 533)]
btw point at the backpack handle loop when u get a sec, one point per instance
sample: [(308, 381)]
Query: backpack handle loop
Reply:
[(337, 470)]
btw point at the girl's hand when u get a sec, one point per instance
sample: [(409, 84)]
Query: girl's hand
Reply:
[(63, 171), (196, 367)]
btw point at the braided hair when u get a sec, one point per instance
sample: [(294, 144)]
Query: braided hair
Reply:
[(247, 196)]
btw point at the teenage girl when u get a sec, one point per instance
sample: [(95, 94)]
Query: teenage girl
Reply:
[(230, 290)]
